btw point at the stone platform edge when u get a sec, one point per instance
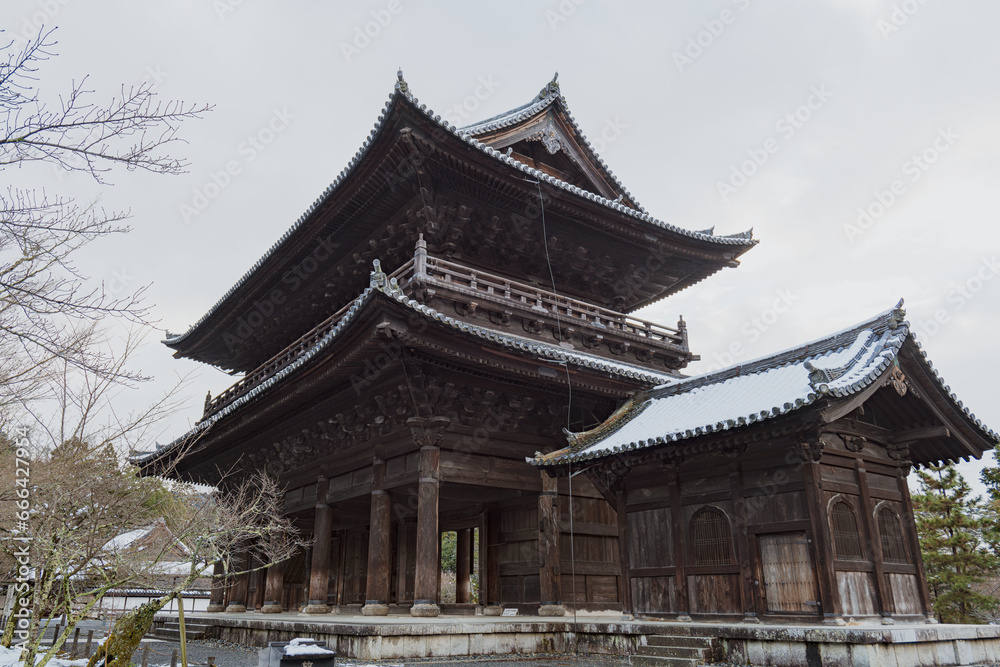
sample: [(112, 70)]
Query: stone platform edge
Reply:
[(780, 645)]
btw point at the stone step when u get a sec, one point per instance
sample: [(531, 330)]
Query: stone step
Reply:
[(680, 640), (656, 661), (190, 627), (175, 633), (672, 652)]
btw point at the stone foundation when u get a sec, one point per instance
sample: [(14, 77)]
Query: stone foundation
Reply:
[(399, 637)]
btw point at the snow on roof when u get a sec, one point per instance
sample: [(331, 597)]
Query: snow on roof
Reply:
[(127, 539), (840, 365), (380, 283)]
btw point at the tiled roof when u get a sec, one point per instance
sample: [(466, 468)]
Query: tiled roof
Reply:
[(548, 96), (402, 91), (380, 283), (839, 366)]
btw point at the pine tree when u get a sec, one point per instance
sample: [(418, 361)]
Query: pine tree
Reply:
[(951, 525)]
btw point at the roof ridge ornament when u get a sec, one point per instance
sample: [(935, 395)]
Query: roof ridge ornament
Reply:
[(551, 88), (379, 280), (401, 84), (898, 315)]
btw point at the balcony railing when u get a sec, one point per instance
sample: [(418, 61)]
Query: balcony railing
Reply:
[(275, 364), (471, 282), (502, 291)]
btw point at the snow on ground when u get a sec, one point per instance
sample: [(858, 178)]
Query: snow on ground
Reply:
[(11, 657)]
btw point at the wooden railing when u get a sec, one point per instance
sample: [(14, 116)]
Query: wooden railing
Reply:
[(463, 279), (499, 289), (275, 364)]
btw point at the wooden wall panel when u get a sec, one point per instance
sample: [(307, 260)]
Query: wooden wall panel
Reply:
[(703, 485), (838, 475), (654, 595), (405, 566), (885, 484), (905, 594), (857, 593), (355, 566), (602, 589), (647, 494), (518, 556), (776, 507), (714, 594), (592, 550), (650, 538)]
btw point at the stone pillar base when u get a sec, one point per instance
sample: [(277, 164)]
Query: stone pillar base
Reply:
[(834, 620), (492, 610), (552, 610), (425, 610), (216, 607), (930, 619), (316, 608), (375, 609), (684, 618), (236, 608), (751, 618), (888, 620), (271, 608)]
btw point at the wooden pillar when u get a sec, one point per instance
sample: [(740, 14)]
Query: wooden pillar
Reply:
[(883, 600), (274, 587), (319, 571), (822, 546), (680, 548), (549, 571), (625, 589), (218, 594), (427, 433), (910, 530), (379, 545), (238, 589), (425, 591), (748, 594), (491, 589), (463, 566)]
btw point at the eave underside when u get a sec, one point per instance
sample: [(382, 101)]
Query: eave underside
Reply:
[(436, 184)]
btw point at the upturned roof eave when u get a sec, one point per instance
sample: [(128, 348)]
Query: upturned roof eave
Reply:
[(185, 344), (580, 443), (380, 287)]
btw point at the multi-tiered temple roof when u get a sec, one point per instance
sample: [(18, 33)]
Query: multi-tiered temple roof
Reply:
[(473, 193)]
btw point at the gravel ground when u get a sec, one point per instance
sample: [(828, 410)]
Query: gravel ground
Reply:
[(226, 654), (236, 655)]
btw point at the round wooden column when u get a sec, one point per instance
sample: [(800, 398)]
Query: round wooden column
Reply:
[(463, 566), (427, 433), (425, 592), (319, 572), (215, 601), (273, 588), (379, 546), (548, 548), (238, 591)]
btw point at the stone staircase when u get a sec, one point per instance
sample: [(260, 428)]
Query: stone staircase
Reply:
[(172, 630), (678, 649)]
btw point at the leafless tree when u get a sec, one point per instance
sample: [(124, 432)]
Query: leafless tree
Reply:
[(48, 310)]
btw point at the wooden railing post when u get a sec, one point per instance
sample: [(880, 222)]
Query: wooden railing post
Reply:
[(420, 259)]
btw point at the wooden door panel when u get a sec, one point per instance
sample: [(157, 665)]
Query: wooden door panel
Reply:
[(787, 571)]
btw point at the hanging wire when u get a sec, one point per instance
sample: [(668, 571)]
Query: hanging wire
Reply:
[(569, 412)]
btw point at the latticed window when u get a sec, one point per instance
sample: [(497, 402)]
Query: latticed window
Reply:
[(846, 539), (893, 549), (713, 542)]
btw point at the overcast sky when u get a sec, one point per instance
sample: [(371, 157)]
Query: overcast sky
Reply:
[(785, 116)]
